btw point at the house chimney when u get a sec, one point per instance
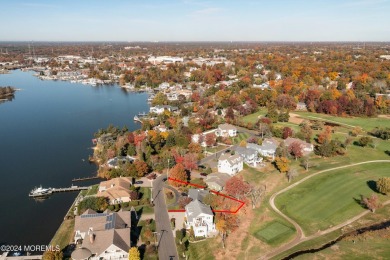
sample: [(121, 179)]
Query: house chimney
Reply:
[(91, 237)]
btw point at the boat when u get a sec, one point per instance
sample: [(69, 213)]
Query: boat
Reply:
[(40, 192), (143, 114)]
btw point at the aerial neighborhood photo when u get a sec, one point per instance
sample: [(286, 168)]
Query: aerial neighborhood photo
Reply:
[(195, 130)]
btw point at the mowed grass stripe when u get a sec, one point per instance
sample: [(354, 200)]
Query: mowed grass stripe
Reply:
[(328, 199)]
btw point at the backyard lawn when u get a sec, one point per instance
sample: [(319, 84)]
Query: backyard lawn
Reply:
[(330, 198), (274, 232)]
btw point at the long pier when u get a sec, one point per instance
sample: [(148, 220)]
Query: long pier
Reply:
[(73, 188), (86, 178)]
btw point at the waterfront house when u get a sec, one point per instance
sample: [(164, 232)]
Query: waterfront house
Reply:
[(249, 155), (226, 130), (105, 235), (160, 109), (217, 181), (116, 162), (230, 164), (201, 138), (117, 190), (200, 217)]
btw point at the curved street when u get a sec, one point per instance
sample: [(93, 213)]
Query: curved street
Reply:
[(300, 237), (165, 240)]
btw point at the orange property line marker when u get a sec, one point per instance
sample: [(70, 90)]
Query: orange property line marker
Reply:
[(212, 191)]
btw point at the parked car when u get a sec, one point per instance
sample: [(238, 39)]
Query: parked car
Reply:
[(203, 174), (139, 182), (184, 194)]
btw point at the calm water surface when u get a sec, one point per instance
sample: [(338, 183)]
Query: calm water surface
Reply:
[(45, 139)]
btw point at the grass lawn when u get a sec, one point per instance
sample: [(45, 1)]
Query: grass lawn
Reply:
[(64, 234), (145, 209), (365, 123), (203, 250), (252, 118), (329, 198), (273, 232), (240, 137)]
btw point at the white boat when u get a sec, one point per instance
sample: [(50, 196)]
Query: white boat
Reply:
[(40, 192)]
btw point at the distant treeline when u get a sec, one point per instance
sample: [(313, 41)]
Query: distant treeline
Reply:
[(6, 91)]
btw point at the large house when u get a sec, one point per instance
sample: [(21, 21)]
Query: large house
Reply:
[(217, 181), (197, 194), (267, 148), (102, 235), (249, 155), (200, 217), (117, 190), (160, 109), (230, 164), (226, 130), (306, 147), (117, 161)]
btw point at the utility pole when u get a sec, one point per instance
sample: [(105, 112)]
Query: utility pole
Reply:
[(168, 170)]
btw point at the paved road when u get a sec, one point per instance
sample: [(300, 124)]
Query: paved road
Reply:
[(166, 246), (300, 237), (216, 156)]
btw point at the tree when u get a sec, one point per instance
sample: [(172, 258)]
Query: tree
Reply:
[(190, 161), (272, 112), (178, 173), (141, 167), (210, 139), (305, 131), (134, 254), (282, 164), (194, 148), (255, 194), (236, 186), (184, 201), (383, 185), (287, 132), (347, 142), (221, 226), (325, 135), (53, 255), (305, 162), (291, 174), (365, 141), (371, 203), (295, 148)]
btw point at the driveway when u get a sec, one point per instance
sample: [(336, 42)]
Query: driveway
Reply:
[(166, 243), (215, 156)]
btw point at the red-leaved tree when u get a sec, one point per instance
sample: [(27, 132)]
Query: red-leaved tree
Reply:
[(237, 187)]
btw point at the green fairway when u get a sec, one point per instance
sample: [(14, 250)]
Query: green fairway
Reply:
[(365, 123), (273, 232), (252, 118), (329, 198)]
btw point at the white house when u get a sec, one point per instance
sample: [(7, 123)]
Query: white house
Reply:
[(249, 155), (217, 181), (226, 130), (160, 109), (230, 164), (200, 217)]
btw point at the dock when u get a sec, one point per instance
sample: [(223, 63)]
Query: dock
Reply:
[(72, 188), (86, 178)]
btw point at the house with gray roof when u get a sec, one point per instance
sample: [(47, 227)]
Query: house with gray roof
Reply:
[(267, 148), (217, 181), (197, 194), (230, 164), (200, 217), (250, 155), (106, 235)]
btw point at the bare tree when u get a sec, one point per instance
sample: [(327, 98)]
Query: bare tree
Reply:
[(291, 174), (305, 162), (255, 193)]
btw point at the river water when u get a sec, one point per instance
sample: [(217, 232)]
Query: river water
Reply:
[(45, 139)]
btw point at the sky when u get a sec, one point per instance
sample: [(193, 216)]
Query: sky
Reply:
[(195, 20)]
